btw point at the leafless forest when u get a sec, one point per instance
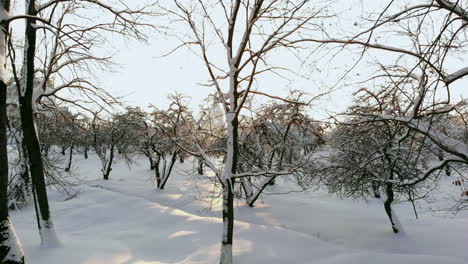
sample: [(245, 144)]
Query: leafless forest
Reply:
[(402, 138)]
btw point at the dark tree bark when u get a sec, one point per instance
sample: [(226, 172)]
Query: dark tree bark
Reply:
[(290, 155), (228, 218), (254, 198), (200, 165), (156, 169), (390, 195), (167, 171), (272, 182), (151, 162), (25, 93), (86, 148), (388, 206), (64, 148), (375, 189), (70, 158), (10, 248), (109, 164), (270, 164)]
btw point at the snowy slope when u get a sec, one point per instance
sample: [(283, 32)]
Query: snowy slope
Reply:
[(127, 221)]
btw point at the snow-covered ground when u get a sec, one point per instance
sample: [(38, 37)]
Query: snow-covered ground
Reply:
[(127, 221)]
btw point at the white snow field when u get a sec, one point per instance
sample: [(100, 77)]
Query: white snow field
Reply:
[(127, 221)]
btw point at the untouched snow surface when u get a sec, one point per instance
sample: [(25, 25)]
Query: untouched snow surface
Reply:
[(127, 221)]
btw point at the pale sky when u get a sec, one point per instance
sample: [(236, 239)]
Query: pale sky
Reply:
[(147, 78)]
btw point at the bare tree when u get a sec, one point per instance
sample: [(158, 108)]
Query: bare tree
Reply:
[(69, 50), (10, 247), (270, 140), (424, 38), (252, 30), (172, 125), (109, 138), (370, 158)]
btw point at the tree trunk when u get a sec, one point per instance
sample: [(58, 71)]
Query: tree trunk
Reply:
[(11, 251), (157, 171), (270, 164), (86, 152), (151, 161), (108, 168), (70, 158), (167, 171), (248, 190), (272, 182), (230, 168), (254, 197), (290, 155), (64, 148), (25, 93), (25, 194), (228, 223), (200, 165), (388, 207), (24, 174), (396, 227)]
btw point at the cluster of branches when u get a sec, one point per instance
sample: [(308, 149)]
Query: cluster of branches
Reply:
[(404, 98), (41, 71), (403, 118), (406, 127), (280, 137), (247, 32)]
